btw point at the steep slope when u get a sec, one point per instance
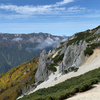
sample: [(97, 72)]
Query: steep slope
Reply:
[(18, 80), (19, 48), (11, 57), (68, 88), (91, 64), (76, 56), (75, 86)]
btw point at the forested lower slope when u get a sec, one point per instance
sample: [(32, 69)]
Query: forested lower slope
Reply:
[(13, 81)]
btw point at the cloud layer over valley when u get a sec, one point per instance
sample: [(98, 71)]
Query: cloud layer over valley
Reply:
[(48, 42)]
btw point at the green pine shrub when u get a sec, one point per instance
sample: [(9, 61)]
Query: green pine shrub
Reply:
[(66, 71), (90, 39), (72, 69), (87, 84), (75, 69), (88, 51), (53, 69), (58, 58)]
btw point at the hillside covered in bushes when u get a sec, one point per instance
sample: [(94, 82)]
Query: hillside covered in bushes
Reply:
[(67, 88), (13, 81)]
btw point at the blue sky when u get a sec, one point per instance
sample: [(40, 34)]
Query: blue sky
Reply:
[(57, 17)]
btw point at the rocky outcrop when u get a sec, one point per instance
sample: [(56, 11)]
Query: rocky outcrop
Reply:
[(97, 32), (97, 39), (64, 47), (74, 56), (24, 90), (43, 64)]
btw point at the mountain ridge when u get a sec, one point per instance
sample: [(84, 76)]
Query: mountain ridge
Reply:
[(18, 48)]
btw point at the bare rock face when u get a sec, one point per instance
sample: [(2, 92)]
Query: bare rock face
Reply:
[(64, 47), (43, 64), (98, 31), (74, 56), (24, 90)]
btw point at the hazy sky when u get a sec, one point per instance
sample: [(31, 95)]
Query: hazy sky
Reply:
[(57, 17)]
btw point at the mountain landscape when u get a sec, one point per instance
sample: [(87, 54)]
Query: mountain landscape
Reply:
[(49, 50), (19, 48), (73, 67)]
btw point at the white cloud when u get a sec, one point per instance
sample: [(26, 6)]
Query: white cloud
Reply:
[(35, 39), (17, 39), (49, 42), (40, 9), (31, 40), (29, 49), (63, 2), (56, 38), (76, 9), (29, 11), (11, 16), (52, 9), (39, 40)]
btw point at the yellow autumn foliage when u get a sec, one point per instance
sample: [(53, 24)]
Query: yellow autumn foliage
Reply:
[(12, 82)]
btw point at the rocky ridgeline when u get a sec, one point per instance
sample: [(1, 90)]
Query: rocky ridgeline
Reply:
[(97, 32), (73, 57)]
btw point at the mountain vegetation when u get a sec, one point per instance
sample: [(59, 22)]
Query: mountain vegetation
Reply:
[(52, 67), (67, 88), (11, 57), (13, 81)]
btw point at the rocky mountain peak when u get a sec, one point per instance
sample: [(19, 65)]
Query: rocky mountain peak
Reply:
[(43, 64)]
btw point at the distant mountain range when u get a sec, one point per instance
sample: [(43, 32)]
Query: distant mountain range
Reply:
[(18, 48)]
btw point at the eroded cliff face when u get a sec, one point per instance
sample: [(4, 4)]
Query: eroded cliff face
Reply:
[(73, 56), (64, 47), (43, 65), (98, 31)]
